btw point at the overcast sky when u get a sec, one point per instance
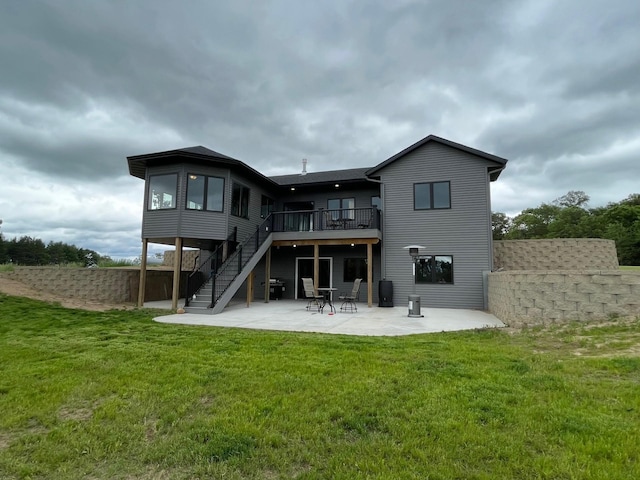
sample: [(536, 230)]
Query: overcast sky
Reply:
[(553, 86)]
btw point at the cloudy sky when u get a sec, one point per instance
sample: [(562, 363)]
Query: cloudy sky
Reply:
[(553, 86)]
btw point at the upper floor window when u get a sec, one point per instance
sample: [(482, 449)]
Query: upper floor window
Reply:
[(341, 208), (240, 200), (434, 269), (205, 193), (163, 191), (266, 206), (431, 195)]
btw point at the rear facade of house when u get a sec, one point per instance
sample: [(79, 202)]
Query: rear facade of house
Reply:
[(258, 236)]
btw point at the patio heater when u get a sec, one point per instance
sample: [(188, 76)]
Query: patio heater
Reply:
[(414, 300)]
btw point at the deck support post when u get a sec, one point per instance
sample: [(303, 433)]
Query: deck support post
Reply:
[(177, 268), (143, 273), (369, 275), (267, 276), (250, 282), (316, 267)]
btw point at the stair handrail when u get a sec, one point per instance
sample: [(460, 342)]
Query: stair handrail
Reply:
[(202, 272), (238, 259)]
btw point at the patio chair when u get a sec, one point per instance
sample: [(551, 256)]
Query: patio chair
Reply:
[(349, 300), (330, 222), (310, 294)]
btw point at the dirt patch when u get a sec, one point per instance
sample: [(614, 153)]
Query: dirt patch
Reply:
[(14, 288)]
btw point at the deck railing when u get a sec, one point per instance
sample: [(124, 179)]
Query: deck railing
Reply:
[(315, 220), (204, 270)]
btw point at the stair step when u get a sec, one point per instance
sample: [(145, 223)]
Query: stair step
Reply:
[(204, 303), (199, 310)]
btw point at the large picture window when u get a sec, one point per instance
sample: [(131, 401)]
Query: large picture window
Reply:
[(205, 193), (240, 200), (431, 195), (163, 191), (355, 268), (434, 269)]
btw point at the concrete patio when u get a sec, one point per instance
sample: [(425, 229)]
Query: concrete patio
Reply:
[(291, 315)]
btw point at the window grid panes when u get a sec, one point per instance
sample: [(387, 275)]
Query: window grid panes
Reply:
[(197, 185), (431, 195), (163, 191), (434, 269)]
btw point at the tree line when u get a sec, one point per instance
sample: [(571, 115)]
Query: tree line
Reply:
[(569, 217), (33, 252)]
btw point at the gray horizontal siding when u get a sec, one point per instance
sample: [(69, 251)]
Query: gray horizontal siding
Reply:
[(462, 231)]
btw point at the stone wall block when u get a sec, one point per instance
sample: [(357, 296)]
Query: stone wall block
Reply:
[(602, 298), (565, 305), (577, 297), (619, 289), (630, 279)]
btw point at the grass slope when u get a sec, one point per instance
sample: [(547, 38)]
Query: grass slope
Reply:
[(115, 395)]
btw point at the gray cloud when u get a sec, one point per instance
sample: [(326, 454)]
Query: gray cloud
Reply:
[(550, 86)]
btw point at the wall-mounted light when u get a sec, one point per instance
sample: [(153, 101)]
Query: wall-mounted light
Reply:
[(337, 185), (294, 245), (293, 189), (193, 177), (353, 244)]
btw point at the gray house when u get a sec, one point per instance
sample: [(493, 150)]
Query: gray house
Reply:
[(258, 236)]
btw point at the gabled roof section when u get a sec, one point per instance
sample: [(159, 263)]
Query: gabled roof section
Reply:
[(318, 178), (495, 172), (138, 164)]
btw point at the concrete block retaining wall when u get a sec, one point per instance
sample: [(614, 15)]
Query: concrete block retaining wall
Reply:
[(555, 254), (109, 285), (521, 298), (188, 258)]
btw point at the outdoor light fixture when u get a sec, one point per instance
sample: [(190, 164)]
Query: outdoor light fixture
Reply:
[(337, 185), (414, 300), (294, 245)]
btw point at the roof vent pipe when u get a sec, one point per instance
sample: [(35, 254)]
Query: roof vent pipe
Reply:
[(304, 166)]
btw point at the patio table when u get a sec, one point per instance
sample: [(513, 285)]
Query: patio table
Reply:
[(328, 298)]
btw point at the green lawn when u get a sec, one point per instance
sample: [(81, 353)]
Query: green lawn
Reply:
[(627, 267), (115, 395)]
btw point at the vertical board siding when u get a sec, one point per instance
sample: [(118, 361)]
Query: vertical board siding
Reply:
[(461, 231)]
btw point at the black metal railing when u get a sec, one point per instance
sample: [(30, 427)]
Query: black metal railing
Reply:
[(229, 258), (314, 220), (235, 263), (203, 271)]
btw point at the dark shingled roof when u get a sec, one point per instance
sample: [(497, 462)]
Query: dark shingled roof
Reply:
[(333, 176), (138, 163)]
